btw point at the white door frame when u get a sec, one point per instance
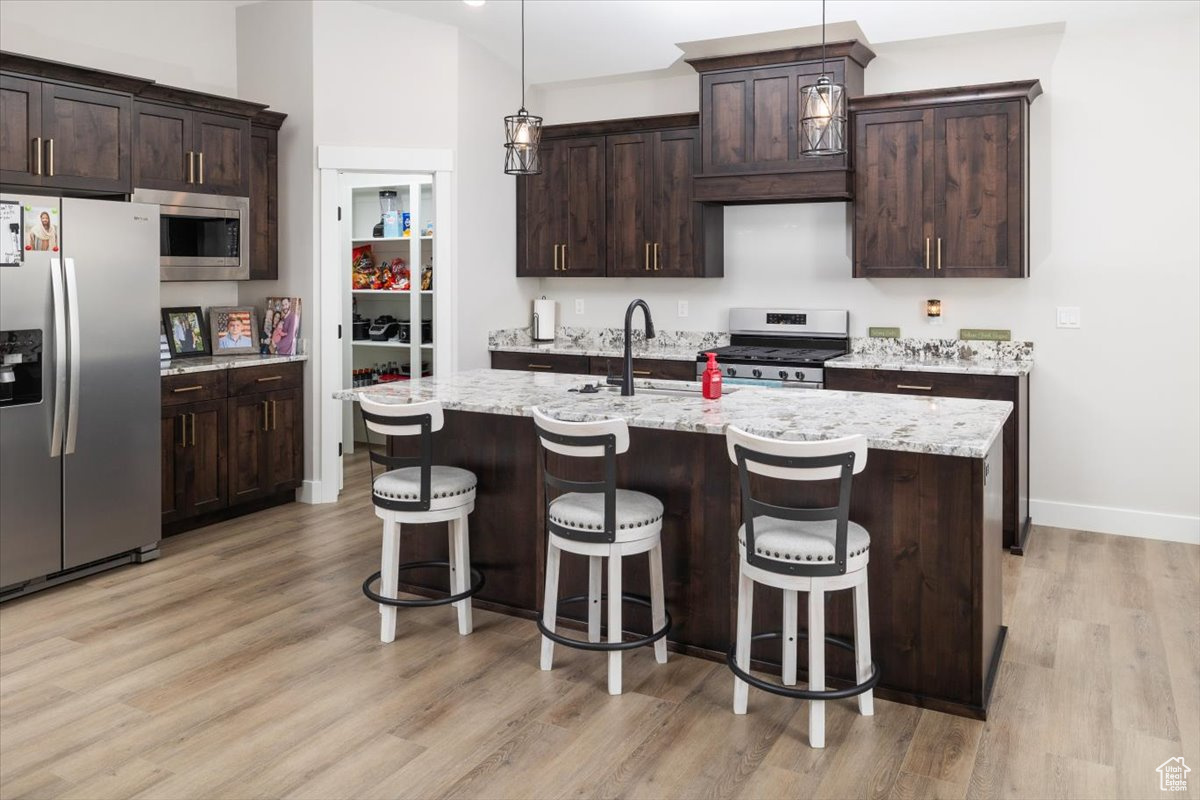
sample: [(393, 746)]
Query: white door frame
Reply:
[(327, 348)]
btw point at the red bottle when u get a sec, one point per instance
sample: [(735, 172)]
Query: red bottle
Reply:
[(712, 378)]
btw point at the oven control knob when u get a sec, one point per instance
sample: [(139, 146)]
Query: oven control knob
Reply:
[(758, 373), (799, 375), (783, 374), (730, 371)]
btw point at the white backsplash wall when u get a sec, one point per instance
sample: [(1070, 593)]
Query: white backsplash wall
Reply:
[(198, 293)]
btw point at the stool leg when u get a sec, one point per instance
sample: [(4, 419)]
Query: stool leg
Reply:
[(595, 589), (816, 665), (389, 579), (550, 603), (790, 619), (462, 554), (658, 602), (614, 622), (862, 646), (745, 613)]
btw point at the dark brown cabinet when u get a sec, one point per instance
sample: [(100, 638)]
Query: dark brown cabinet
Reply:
[(537, 362), (659, 368), (180, 149), (941, 183), (193, 446), (265, 444), (264, 195), (1014, 389), (615, 199), (750, 108), (64, 137)]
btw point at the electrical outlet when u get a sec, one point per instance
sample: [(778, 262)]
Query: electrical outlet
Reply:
[(1068, 317), (683, 308), (579, 306)]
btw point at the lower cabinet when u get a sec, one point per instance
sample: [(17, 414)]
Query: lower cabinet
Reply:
[(243, 442), (658, 368)]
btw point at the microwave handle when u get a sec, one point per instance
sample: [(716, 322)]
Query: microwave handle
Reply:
[(193, 211)]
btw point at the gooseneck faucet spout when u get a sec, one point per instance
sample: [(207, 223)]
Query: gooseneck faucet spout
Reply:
[(627, 375)]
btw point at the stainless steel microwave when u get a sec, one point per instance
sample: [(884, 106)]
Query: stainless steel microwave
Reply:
[(202, 237)]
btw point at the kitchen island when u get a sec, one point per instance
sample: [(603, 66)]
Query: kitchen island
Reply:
[(927, 496)]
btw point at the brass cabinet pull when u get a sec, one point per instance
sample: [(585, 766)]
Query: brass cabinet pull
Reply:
[(201, 181), (270, 378), (646, 258), (926, 252), (556, 258), (939, 253), (265, 421), (183, 389), (657, 257), (539, 366), (644, 372), (191, 166), (274, 416), (917, 388), (37, 155), (183, 430), (193, 416), (564, 260), (50, 156)]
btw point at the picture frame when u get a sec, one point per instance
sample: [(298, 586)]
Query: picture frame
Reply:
[(233, 330), (281, 326), (187, 335)]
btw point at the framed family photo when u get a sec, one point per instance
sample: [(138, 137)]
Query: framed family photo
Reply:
[(233, 329), (185, 331), (281, 325)]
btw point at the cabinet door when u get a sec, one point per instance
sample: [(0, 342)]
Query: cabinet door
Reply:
[(205, 485), (222, 144), (630, 165), (678, 248), (249, 423), (172, 445), (285, 440), (979, 188), (540, 211), (20, 124), (264, 198), (893, 195), (162, 148), (87, 135), (584, 242)]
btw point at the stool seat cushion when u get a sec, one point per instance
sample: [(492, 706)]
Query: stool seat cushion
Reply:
[(448, 486), (791, 540), (638, 514)]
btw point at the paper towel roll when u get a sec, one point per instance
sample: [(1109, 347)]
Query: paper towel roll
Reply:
[(544, 313)]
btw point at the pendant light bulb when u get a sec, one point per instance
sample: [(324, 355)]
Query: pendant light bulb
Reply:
[(523, 131)]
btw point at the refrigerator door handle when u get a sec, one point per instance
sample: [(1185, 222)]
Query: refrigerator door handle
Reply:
[(73, 331), (60, 357)]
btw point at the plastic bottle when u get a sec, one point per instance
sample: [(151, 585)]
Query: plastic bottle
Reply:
[(712, 378)]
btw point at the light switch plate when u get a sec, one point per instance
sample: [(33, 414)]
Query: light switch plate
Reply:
[(579, 306), (683, 308), (1068, 317)]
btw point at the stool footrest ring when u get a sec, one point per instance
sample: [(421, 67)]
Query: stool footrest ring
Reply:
[(606, 646), (477, 581), (802, 694)]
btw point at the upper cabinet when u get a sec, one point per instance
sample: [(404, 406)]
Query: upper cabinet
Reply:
[(264, 195), (749, 119), (65, 137), (941, 182), (179, 149), (615, 199)]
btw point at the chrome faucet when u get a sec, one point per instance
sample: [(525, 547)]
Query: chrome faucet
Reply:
[(627, 377)]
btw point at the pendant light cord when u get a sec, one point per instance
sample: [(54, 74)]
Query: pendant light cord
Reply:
[(822, 37), (523, 54)]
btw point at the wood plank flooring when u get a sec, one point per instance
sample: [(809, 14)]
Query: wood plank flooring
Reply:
[(245, 663)]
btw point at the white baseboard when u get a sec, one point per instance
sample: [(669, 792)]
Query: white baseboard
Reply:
[(1121, 521), (312, 492)]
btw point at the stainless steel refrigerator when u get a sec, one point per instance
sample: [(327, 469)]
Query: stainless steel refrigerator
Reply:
[(79, 388)]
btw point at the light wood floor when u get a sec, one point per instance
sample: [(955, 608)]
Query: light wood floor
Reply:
[(246, 664)]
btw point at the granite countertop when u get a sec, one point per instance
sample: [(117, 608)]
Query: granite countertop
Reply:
[(930, 364), (184, 366), (608, 342), (936, 425)]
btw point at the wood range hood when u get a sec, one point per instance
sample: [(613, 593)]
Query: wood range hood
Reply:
[(749, 118)]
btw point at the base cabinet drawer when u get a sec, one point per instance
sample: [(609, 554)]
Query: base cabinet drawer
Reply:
[(656, 368), (535, 362)]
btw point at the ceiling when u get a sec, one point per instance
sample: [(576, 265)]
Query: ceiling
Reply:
[(581, 39)]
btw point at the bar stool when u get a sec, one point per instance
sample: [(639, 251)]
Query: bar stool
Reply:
[(415, 491), (598, 520), (814, 550)]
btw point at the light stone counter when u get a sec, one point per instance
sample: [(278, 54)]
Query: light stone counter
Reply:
[(183, 366), (935, 425), (609, 342)]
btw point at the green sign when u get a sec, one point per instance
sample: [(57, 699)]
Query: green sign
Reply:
[(883, 333), (984, 334)]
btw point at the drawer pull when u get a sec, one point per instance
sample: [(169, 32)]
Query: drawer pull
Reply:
[(271, 378), (183, 389), (916, 388), (539, 366), (644, 372), (183, 419), (193, 416)]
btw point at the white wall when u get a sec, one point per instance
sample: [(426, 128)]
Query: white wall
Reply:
[(1115, 429)]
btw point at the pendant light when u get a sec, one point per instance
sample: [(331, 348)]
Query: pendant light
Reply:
[(823, 111), (523, 131)]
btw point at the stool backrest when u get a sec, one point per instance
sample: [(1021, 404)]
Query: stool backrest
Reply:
[(402, 419), (603, 439), (827, 459)]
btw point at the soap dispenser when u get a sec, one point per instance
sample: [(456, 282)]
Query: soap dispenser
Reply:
[(712, 378)]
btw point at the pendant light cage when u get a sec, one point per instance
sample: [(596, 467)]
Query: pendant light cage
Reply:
[(522, 131), (823, 111)]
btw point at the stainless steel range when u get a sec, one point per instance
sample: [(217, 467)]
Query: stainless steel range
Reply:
[(781, 346)]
